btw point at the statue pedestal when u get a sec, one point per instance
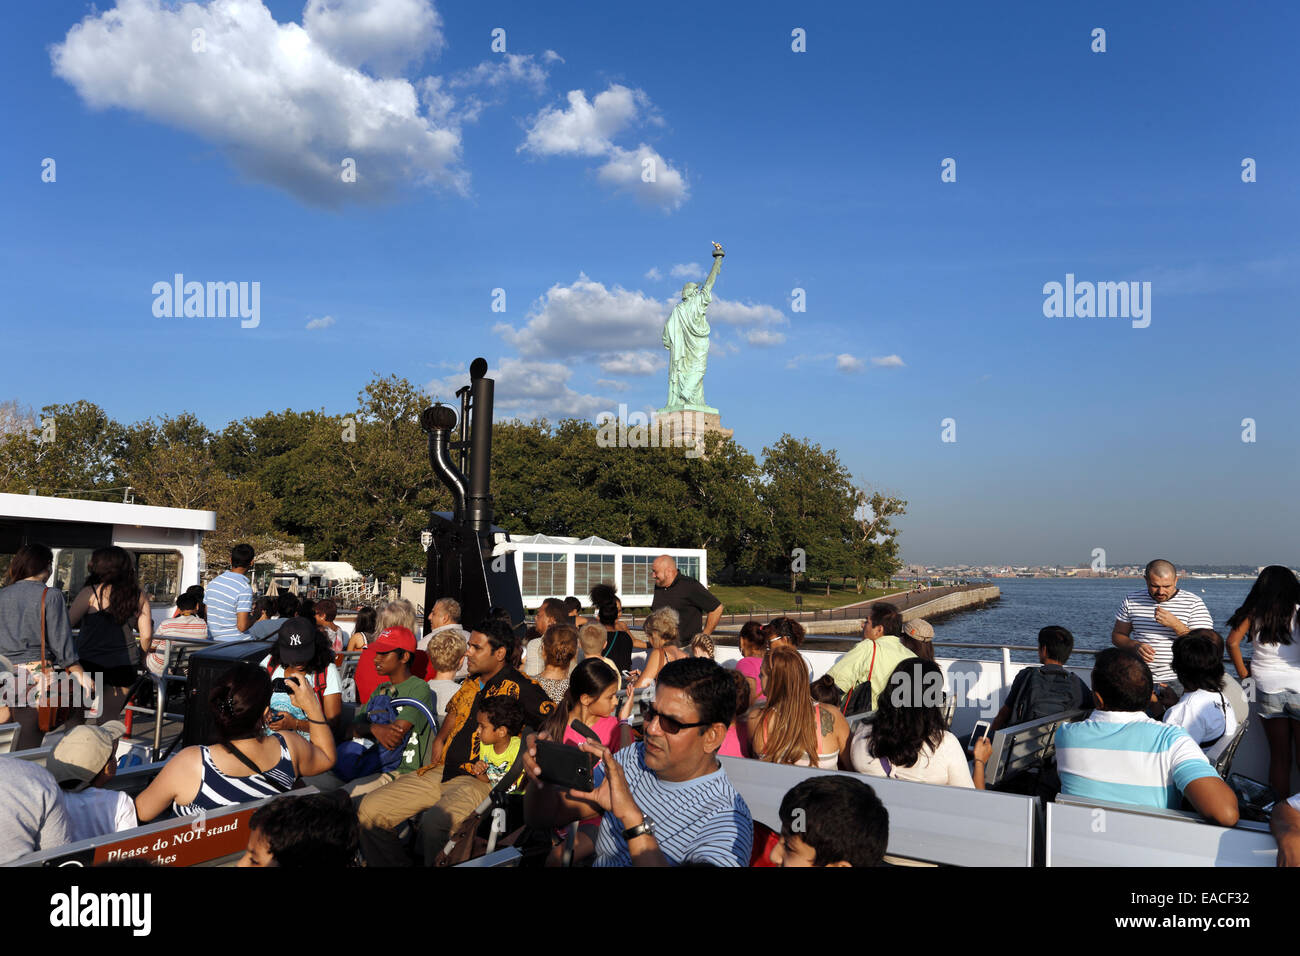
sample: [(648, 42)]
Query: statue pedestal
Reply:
[(681, 427)]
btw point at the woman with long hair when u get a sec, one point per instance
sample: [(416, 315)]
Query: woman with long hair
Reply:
[(1268, 617), (661, 631), (247, 764), (108, 608), (909, 737), (21, 637), (789, 727), (363, 630)]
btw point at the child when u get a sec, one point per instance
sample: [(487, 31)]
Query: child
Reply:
[(500, 719), (753, 645), (325, 611), (317, 831), (824, 691), (1042, 691), (1202, 710), (736, 742), (83, 763), (592, 640), (446, 651), (702, 646), (831, 820), (186, 623)]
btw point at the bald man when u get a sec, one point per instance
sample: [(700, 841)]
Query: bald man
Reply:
[(1149, 621), (688, 597)]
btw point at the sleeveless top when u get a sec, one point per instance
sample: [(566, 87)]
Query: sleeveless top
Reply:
[(103, 641), (826, 761), (221, 790)]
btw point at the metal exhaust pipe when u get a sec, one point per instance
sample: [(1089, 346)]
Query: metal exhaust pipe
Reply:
[(438, 420)]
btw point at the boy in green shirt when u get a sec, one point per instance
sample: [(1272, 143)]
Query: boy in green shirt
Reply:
[(394, 648)]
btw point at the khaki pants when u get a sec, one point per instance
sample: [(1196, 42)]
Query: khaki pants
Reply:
[(443, 806)]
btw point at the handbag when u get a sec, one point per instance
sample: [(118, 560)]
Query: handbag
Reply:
[(48, 716)]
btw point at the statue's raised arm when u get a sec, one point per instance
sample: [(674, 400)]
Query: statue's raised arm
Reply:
[(717, 267)]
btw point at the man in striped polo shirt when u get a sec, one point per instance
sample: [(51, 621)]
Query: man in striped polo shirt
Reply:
[(1121, 755), (230, 598), (1148, 621), (665, 801)]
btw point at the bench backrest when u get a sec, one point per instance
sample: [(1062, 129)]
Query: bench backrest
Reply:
[(1099, 833), (1025, 746), (37, 755), (218, 837), (506, 856), (8, 737), (950, 825)]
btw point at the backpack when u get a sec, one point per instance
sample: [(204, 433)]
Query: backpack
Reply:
[(355, 759), (1046, 693)]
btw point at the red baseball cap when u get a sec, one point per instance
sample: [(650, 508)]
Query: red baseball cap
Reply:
[(394, 639)]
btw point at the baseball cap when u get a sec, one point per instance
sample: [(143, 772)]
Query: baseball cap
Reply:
[(297, 641), (394, 639), (919, 630), (83, 752)]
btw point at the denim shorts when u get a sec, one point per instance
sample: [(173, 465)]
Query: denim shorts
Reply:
[(1283, 704)]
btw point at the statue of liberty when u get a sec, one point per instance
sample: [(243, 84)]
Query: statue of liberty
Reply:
[(686, 337)]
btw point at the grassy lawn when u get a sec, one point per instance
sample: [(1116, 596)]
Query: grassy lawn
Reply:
[(738, 600)]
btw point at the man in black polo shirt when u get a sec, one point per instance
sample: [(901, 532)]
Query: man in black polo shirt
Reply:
[(445, 791), (688, 597)]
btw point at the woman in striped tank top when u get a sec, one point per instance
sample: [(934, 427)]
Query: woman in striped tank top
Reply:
[(247, 764)]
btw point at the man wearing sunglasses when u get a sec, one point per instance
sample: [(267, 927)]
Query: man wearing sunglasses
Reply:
[(665, 801)]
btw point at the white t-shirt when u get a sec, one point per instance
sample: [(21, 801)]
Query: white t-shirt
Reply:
[(95, 812), (946, 764), (1205, 716), (1276, 667)]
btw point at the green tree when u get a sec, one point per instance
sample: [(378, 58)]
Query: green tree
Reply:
[(874, 550)]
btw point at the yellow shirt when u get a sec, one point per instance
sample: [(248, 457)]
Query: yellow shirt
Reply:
[(870, 660)]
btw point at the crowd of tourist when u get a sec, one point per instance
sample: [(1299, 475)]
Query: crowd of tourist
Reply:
[(457, 720)]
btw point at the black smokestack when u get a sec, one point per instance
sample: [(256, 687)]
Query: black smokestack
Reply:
[(478, 504)]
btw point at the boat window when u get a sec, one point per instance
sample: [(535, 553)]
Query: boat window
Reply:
[(160, 575), (71, 566)]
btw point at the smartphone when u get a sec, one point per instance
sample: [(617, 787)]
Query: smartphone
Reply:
[(281, 685), (586, 731), (564, 766), (980, 732)]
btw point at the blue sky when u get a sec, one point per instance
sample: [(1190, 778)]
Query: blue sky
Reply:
[(819, 170)]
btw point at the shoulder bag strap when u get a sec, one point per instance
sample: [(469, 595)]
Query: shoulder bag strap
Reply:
[(243, 758), (44, 666)]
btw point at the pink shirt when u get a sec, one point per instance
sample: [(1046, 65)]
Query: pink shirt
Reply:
[(605, 729), (731, 744), (752, 667)]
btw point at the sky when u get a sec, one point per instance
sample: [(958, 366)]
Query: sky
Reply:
[(412, 184)]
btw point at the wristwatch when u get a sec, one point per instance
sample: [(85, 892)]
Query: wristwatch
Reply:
[(646, 826)]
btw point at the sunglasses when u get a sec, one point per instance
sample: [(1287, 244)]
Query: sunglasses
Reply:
[(670, 725)]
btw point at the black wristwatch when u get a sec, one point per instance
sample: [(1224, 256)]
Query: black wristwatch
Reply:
[(646, 826)]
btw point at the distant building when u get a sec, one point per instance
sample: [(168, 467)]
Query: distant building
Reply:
[(552, 566)]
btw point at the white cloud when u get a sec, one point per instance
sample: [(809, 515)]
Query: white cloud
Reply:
[(321, 323), (504, 69), (888, 361), (610, 385), (585, 128), (276, 98), (585, 318), (633, 363), (527, 390), (686, 270), (765, 337), (848, 363), (385, 35), (588, 128), (745, 313), (653, 274), (628, 170)]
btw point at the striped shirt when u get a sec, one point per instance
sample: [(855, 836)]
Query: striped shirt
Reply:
[(703, 820), (1126, 757), (1139, 610), (221, 790), (227, 596)]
